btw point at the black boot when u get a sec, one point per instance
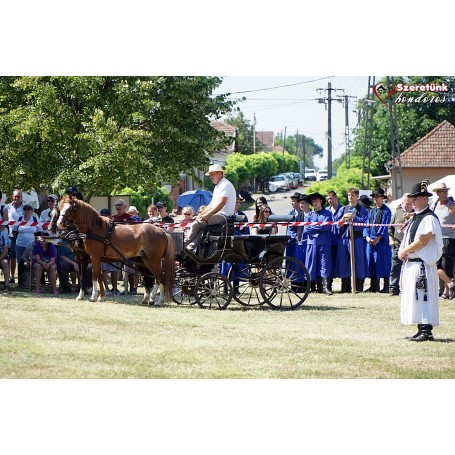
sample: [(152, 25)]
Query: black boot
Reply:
[(374, 284), (319, 285), (329, 284), (359, 284), (419, 331), (345, 285), (385, 289), (313, 286), (425, 334), (325, 287)]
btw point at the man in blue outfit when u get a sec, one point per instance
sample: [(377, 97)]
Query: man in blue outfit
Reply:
[(354, 212), (378, 252), (318, 258)]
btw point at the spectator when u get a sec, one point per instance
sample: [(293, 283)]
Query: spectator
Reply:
[(163, 215), (66, 266), (45, 216), (12, 212), (264, 214), (4, 257), (366, 202), (259, 202), (337, 210), (132, 210), (73, 191), (24, 235), (241, 268), (188, 214), (379, 255), (354, 212), (152, 213), (403, 214), (44, 260), (444, 208), (122, 216), (300, 251), (318, 258)]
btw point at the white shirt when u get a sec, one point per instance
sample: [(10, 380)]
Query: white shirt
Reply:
[(224, 188)]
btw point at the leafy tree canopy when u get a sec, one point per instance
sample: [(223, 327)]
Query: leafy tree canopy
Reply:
[(106, 133)]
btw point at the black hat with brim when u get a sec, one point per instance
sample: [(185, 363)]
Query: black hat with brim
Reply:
[(312, 196), (420, 189), (365, 200), (296, 195), (378, 192)]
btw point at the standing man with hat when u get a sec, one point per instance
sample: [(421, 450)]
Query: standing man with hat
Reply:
[(163, 215), (420, 251), (318, 258), (221, 206), (378, 252), (354, 212), (444, 209)]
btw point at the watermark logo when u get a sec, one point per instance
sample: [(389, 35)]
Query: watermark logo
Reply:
[(412, 93)]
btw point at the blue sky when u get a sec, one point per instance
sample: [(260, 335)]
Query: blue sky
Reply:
[(296, 107)]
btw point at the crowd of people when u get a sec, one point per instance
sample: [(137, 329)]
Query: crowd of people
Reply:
[(380, 242)]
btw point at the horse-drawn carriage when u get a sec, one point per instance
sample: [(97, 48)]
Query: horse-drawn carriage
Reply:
[(258, 271)]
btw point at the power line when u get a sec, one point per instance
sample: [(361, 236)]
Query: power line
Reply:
[(282, 86)]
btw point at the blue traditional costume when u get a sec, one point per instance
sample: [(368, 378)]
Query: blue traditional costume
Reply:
[(379, 256), (318, 259), (343, 260)]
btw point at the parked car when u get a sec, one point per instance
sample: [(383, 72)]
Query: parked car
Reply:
[(310, 174), (279, 182), (299, 178), (293, 182), (322, 175)]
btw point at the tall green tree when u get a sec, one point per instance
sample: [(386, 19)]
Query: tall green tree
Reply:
[(106, 133), (298, 144)]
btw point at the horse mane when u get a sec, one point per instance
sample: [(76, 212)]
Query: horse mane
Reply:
[(89, 215)]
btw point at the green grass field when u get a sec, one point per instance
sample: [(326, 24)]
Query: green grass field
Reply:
[(342, 336)]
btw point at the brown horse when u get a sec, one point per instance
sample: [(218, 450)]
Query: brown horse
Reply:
[(142, 242)]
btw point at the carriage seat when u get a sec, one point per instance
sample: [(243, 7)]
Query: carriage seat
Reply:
[(221, 230), (255, 246)]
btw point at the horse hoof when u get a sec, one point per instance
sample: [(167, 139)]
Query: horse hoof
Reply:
[(100, 299), (79, 298), (91, 299)]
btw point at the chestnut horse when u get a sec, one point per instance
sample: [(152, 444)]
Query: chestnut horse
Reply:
[(142, 242)]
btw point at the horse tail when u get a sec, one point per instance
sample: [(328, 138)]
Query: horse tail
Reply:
[(169, 266)]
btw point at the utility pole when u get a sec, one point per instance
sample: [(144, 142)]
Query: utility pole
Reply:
[(254, 133), (304, 157), (284, 140), (345, 101), (329, 100)]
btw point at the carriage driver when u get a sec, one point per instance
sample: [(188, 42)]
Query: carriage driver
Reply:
[(221, 206)]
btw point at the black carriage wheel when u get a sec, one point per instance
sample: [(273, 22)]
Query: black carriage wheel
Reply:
[(184, 288), (246, 285), (214, 291), (284, 283)]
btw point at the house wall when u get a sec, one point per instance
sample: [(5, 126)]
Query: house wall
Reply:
[(414, 175)]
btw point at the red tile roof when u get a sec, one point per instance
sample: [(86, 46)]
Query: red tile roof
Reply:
[(436, 149), (219, 125)]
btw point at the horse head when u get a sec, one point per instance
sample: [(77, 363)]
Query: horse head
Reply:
[(62, 217)]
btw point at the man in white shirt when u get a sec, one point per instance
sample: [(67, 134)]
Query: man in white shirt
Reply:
[(420, 251), (221, 206)]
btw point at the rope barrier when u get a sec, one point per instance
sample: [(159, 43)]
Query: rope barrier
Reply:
[(184, 224)]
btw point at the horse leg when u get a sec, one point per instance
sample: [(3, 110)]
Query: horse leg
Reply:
[(82, 281), (96, 278), (162, 296), (149, 281), (153, 295)]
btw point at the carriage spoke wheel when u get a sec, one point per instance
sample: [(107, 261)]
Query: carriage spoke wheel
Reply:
[(245, 279), (214, 291), (184, 288), (284, 283)]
